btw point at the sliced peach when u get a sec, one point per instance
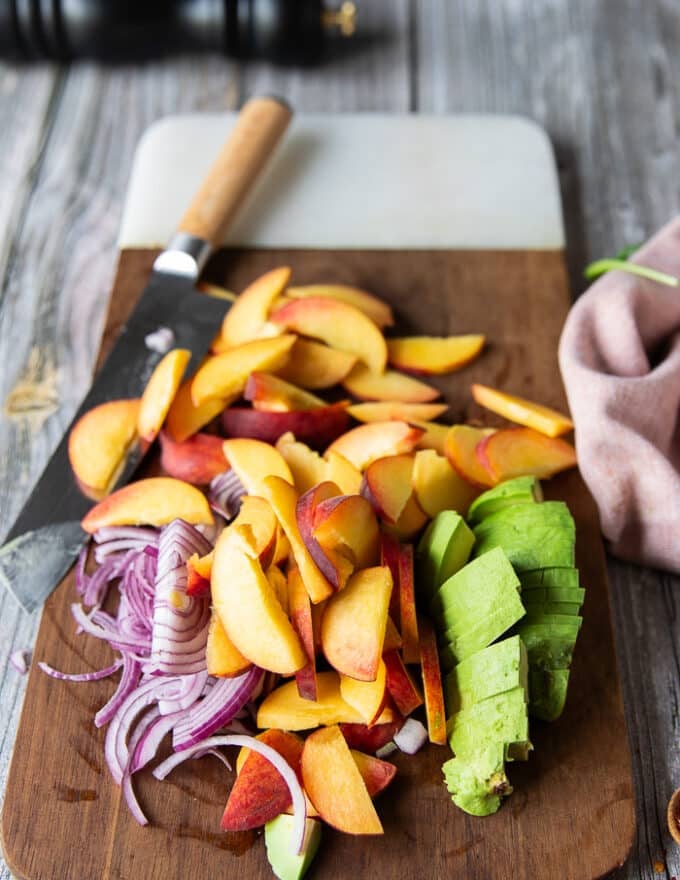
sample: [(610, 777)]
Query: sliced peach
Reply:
[(377, 774), (438, 486), (225, 375), (283, 498), (99, 441), (524, 412), (259, 792), (315, 365), (160, 391), (258, 514), (365, 444), (387, 485), (369, 739), (248, 606), (389, 556), (347, 525), (339, 325), (279, 583), (433, 354), (375, 309), (401, 686), (353, 625), (346, 804), (199, 570), (435, 710), (335, 567), (245, 319), (410, 522), (408, 622), (342, 472), (285, 709), (222, 657), (434, 436), (392, 638), (272, 394), (196, 460), (155, 501), (301, 617), (185, 418), (253, 460), (316, 427), (461, 442), (387, 410), (367, 697), (516, 452), (306, 465), (390, 385)]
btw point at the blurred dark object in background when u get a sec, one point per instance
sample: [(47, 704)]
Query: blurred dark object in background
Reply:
[(283, 31)]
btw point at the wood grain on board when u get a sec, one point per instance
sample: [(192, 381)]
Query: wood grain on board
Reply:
[(572, 812)]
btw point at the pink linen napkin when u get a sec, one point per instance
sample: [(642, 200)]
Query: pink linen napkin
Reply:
[(620, 361)]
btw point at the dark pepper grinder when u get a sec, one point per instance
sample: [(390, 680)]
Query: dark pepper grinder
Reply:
[(283, 31)]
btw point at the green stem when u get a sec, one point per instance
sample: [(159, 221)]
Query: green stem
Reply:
[(594, 270)]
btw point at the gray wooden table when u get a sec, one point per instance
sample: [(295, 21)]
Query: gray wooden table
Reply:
[(601, 75)]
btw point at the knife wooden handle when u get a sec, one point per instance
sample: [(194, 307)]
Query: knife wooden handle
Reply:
[(258, 129)]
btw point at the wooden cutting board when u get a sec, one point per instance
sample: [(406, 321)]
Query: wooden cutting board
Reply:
[(572, 813)]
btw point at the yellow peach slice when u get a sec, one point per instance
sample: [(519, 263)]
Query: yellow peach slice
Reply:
[(387, 485), (367, 697), (248, 606), (390, 410), (185, 418), (253, 461), (245, 319), (433, 354), (438, 486), (225, 375), (99, 441), (517, 409), (342, 472), (461, 442), (155, 501), (411, 521), (375, 309), (306, 465), (222, 657), (387, 386), (160, 391), (516, 452), (434, 436), (339, 325), (273, 394), (315, 365), (285, 709), (365, 444)]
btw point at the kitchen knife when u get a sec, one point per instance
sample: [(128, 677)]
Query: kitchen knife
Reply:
[(46, 537)]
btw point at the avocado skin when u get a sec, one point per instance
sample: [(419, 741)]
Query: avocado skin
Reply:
[(548, 692)]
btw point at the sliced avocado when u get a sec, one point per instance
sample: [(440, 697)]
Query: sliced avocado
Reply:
[(548, 620), (444, 548), (549, 646), (520, 490), (547, 692), (532, 535), (477, 783), (465, 640), (553, 594), (464, 593), (278, 836), (551, 576), (493, 670), (502, 718), (571, 609)]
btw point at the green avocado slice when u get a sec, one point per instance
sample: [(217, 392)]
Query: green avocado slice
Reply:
[(547, 692), (473, 589), (520, 490), (532, 535), (570, 609), (277, 837), (552, 576), (477, 783), (443, 549), (464, 640), (549, 646), (553, 594), (493, 670), (502, 718)]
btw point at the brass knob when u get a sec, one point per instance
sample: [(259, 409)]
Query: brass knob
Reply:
[(344, 18)]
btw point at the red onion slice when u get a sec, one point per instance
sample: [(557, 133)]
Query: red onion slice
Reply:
[(277, 760), (80, 676)]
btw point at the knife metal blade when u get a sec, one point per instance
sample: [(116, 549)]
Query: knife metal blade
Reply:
[(46, 537)]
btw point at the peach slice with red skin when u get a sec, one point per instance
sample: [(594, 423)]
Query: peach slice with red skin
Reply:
[(335, 567), (369, 739), (196, 460), (433, 355), (300, 610), (434, 436), (225, 375), (400, 685), (222, 657), (284, 708), (367, 697), (435, 710), (392, 638), (257, 513), (408, 621), (353, 625), (155, 501), (306, 465), (366, 443), (247, 316), (160, 391), (387, 485), (253, 460), (437, 486), (461, 443), (376, 773), (338, 324), (185, 418), (346, 524), (389, 410), (388, 386), (199, 569), (517, 452), (346, 804), (389, 556), (99, 441), (272, 394), (517, 409), (410, 522), (375, 309), (315, 365), (342, 472), (315, 427)]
